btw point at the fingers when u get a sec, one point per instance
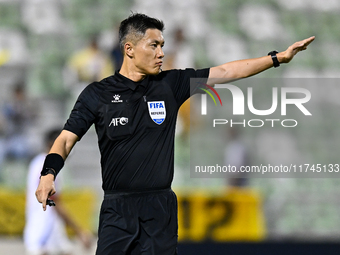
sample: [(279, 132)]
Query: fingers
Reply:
[(302, 45), (44, 204), (41, 197), (45, 190), (309, 40)]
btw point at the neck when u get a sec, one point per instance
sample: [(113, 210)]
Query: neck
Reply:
[(131, 72)]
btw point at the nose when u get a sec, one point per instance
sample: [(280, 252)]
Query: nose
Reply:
[(160, 53)]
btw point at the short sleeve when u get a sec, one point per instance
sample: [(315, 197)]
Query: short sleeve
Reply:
[(84, 111), (179, 81)]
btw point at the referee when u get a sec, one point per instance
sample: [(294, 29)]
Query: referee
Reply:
[(134, 112)]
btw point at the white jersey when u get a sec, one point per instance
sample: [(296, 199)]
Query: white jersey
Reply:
[(44, 230)]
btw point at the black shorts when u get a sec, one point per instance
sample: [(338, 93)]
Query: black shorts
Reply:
[(138, 223)]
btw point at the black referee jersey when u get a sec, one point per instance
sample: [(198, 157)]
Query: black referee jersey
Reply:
[(135, 123)]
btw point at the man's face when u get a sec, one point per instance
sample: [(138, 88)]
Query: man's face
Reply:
[(148, 53)]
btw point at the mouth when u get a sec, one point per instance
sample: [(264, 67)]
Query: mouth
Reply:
[(159, 63)]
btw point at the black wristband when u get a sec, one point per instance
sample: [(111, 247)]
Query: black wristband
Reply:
[(47, 171), (276, 62), (52, 165)]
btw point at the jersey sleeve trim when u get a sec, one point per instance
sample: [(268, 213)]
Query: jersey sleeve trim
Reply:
[(84, 111)]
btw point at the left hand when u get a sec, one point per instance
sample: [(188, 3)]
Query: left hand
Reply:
[(287, 56)]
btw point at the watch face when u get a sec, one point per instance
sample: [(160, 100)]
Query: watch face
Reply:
[(273, 52)]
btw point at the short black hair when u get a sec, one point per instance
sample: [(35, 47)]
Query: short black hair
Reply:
[(136, 25)]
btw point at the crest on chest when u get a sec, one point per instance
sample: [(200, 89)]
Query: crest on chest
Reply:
[(157, 111)]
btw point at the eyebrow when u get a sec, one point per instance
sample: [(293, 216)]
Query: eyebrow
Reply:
[(158, 42)]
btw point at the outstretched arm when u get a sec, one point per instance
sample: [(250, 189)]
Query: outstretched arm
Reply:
[(62, 146), (244, 68)]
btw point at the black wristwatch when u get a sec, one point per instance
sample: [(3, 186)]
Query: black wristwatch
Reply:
[(274, 58), (47, 171)]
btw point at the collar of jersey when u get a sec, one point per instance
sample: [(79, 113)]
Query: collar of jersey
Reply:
[(130, 83)]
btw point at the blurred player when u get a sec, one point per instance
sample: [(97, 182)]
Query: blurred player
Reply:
[(134, 112), (236, 154), (45, 232)]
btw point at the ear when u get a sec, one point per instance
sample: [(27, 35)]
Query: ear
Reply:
[(129, 50)]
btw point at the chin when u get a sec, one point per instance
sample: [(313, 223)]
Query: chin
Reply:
[(155, 72)]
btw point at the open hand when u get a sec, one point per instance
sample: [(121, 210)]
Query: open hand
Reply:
[(287, 56)]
